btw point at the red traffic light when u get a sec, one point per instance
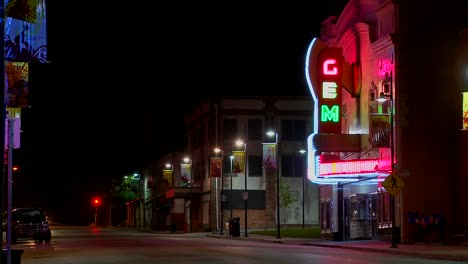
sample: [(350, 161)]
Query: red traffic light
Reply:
[(96, 202)]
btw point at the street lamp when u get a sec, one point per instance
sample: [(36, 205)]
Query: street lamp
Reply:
[(168, 180), (303, 151), (278, 224), (136, 176), (218, 152), (188, 174), (240, 143), (382, 98), (230, 194)]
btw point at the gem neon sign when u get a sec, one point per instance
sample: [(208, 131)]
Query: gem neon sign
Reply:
[(329, 94)]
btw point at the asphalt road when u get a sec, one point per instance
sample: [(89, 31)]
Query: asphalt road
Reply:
[(91, 245)]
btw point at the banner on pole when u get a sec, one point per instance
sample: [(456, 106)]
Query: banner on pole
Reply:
[(186, 176), (215, 166), (16, 132), (238, 162), (269, 155)]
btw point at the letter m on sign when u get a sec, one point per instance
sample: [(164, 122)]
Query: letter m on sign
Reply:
[(332, 114)]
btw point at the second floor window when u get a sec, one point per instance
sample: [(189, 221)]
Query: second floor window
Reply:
[(255, 130), (293, 130), (293, 166), (255, 166), (229, 128)]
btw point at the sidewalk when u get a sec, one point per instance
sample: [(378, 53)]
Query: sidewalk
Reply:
[(433, 251)]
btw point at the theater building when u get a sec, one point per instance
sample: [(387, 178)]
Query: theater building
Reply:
[(389, 140)]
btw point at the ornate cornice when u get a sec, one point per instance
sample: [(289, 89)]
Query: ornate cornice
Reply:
[(382, 45)]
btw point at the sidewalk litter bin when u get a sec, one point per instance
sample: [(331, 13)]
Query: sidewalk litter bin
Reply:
[(234, 227), (228, 227), (173, 226)]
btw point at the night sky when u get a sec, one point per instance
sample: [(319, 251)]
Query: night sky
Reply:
[(120, 78)]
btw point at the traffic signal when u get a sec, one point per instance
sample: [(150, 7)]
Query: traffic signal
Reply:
[(96, 202)]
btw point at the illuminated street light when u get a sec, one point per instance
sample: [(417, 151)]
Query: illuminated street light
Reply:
[(303, 151), (278, 224), (187, 162), (241, 143), (230, 194), (218, 152)]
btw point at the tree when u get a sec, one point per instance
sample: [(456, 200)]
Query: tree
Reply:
[(285, 196), (124, 190), (121, 192)]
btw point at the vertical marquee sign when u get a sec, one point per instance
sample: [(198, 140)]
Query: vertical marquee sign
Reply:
[(329, 92)]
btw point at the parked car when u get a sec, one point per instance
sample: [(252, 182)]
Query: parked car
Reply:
[(30, 223)]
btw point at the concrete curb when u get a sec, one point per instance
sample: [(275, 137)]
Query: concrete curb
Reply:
[(300, 242)]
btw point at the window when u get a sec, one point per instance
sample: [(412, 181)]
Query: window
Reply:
[(212, 132), (200, 134), (229, 128), (255, 166), (196, 137), (293, 166), (227, 165), (255, 131), (293, 130)]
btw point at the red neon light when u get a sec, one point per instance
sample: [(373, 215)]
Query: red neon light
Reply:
[(348, 167), (326, 67)]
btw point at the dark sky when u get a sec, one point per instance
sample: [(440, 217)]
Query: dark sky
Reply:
[(120, 78)]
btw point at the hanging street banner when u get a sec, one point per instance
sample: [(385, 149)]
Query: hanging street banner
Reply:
[(186, 176), (17, 84), (167, 178), (269, 155), (215, 166), (238, 162), (25, 31)]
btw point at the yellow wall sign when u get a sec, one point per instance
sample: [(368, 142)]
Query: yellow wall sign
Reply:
[(393, 184)]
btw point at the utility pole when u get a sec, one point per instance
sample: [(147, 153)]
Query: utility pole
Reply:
[(2, 114)]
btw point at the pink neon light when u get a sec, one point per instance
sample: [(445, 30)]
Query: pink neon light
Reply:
[(326, 67), (386, 65), (348, 167)]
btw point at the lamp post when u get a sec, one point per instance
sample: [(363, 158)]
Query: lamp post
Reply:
[(188, 163), (240, 143), (136, 176), (302, 151), (127, 208), (382, 98), (168, 172), (230, 194), (278, 224), (217, 152)]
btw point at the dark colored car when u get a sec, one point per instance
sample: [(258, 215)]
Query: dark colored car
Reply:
[(30, 223)]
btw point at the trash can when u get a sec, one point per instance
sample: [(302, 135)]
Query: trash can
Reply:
[(234, 229), (173, 226), (228, 227), (15, 256)]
